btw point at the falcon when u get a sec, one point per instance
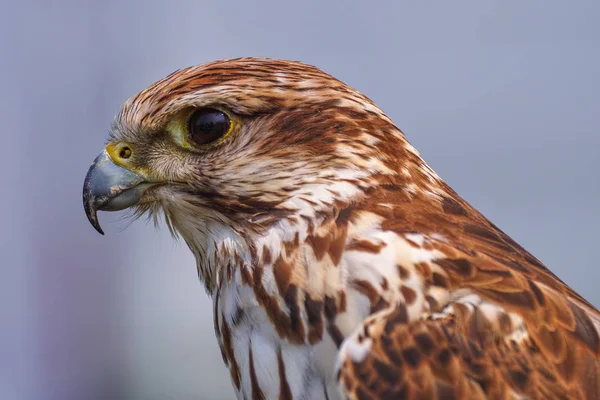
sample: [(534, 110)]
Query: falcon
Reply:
[(340, 265)]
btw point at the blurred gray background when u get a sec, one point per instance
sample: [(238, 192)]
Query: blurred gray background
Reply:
[(501, 98)]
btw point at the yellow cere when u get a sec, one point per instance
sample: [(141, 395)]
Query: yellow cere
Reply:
[(120, 153)]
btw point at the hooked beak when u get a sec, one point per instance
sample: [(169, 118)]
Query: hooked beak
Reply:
[(110, 187)]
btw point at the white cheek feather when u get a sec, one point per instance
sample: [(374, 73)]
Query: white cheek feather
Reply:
[(204, 231), (324, 194)]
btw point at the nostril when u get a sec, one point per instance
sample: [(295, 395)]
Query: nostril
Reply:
[(125, 152)]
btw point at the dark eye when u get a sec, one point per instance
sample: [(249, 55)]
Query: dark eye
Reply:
[(206, 125)]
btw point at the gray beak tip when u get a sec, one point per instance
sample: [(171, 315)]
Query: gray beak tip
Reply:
[(93, 218), (89, 203), (109, 187)]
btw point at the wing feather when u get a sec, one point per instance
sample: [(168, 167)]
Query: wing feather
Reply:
[(460, 355), (509, 328)]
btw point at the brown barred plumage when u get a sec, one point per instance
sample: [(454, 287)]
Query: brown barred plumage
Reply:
[(339, 263)]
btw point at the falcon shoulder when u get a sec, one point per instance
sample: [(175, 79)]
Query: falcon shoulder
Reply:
[(495, 322)]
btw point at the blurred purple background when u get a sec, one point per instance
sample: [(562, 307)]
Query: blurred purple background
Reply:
[(501, 98)]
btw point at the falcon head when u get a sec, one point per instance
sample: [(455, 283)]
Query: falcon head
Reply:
[(232, 147)]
